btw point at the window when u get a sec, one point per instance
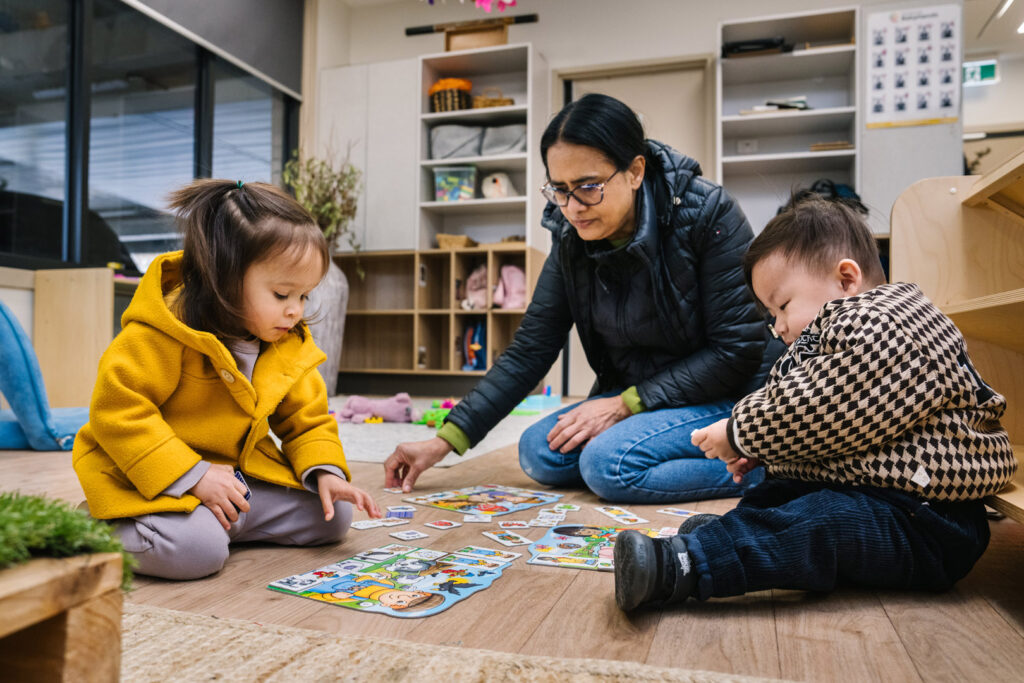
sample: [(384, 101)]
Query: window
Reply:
[(33, 108), (141, 136), (139, 113), (248, 122)]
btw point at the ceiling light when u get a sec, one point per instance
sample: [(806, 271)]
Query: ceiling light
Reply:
[(1020, 29), (1002, 10)]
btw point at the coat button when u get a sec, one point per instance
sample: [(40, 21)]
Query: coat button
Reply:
[(228, 377)]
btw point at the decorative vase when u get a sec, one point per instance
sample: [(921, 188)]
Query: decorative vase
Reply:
[(326, 308)]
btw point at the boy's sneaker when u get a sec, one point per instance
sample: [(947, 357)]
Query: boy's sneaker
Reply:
[(691, 523), (651, 570)]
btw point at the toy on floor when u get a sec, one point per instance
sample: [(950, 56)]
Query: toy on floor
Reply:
[(398, 580), (490, 499), (435, 415), (397, 408), (535, 403), (401, 511), (580, 546)]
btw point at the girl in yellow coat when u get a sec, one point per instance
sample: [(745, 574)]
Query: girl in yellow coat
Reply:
[(213, 354)]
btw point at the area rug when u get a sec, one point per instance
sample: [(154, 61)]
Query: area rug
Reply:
[(375, 442), (165, 645)]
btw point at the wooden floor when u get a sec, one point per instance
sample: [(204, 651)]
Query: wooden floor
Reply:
[(972, 633)]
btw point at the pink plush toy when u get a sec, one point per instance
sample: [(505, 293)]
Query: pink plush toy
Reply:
[(397, 408)]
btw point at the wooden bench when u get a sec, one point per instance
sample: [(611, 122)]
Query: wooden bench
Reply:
[(961, 238), (60, 620)]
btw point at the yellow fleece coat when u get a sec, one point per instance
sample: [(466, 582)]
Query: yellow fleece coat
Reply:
[(168, 396)]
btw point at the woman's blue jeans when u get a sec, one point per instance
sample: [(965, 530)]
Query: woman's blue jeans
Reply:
[(646, 458)]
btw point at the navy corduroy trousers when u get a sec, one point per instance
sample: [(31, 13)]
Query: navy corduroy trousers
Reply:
[(816, 536)]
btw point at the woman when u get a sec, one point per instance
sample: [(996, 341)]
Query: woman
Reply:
[(645, 261)]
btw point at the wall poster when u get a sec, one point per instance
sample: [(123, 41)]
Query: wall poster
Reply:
[(913, 74)]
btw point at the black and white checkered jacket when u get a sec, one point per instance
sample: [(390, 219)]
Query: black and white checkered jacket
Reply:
[(879, 391)]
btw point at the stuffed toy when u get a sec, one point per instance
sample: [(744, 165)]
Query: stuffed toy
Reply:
[(397, 408), (497, 186), (476, 289)]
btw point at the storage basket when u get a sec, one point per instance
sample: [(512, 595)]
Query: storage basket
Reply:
[(450, 94), (491, 97), (454, 241)]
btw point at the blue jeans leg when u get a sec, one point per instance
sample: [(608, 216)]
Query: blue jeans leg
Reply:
[(544, 465), (646, 458), (812, 536)]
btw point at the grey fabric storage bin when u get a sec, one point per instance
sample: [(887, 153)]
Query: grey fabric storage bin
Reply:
[(510, 139), (451, 141)]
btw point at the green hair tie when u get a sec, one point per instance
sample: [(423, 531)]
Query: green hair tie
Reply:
[(240, 183)]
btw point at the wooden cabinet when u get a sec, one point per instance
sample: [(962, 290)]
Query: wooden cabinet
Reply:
[(961, 238), (404, 315)]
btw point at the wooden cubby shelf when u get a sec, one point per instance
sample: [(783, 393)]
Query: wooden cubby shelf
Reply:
[(420, 325), (961, 238)]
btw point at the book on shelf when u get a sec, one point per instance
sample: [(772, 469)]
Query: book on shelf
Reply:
[(831, 146)]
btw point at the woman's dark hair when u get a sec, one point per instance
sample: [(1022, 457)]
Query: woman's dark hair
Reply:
[(226, 228), (601, 122), (818, 233)]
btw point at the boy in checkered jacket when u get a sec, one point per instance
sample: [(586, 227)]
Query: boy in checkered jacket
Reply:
[(878, 436)]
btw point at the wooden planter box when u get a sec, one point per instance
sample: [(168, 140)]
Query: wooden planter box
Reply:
[(61, 619)]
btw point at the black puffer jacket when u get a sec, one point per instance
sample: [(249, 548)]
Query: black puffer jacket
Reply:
[(689, 241)]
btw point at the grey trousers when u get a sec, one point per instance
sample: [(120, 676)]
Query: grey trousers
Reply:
[(180, 545)]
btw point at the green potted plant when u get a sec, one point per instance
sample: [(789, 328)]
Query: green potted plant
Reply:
[(330, 192)]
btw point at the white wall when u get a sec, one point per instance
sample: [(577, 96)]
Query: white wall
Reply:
[(571, 33), (1001, 106)]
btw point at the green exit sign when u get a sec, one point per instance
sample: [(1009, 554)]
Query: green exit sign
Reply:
[(982, 72)]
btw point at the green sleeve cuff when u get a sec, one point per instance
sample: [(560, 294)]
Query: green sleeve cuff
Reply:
[(631, 397), (454, 435)]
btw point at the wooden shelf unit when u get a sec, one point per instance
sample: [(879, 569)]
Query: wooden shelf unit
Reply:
[(961, 238), (403, 315)]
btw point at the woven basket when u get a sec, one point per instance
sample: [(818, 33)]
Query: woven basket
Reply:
[(454, 241), (491, 97), (449, 100)]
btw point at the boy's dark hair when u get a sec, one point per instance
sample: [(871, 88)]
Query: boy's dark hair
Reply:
[(601, 122), (819, 233), (226, 228)]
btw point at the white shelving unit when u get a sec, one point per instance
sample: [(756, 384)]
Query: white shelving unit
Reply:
[(520, 73), (409, 295), (763, 157)]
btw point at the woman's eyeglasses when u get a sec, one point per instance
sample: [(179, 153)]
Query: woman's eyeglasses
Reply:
[(590, 194)]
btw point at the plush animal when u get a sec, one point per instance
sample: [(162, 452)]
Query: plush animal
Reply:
[(397, 408), (497, 186), (510, 292), (476, 289)]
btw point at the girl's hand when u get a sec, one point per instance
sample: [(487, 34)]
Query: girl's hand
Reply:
[(333, 488), (222, 493), (581, 424), (714, 441)]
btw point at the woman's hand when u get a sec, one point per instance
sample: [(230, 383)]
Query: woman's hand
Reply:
[(220, 491), (333, 488), (581, 424), (410, 460)]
